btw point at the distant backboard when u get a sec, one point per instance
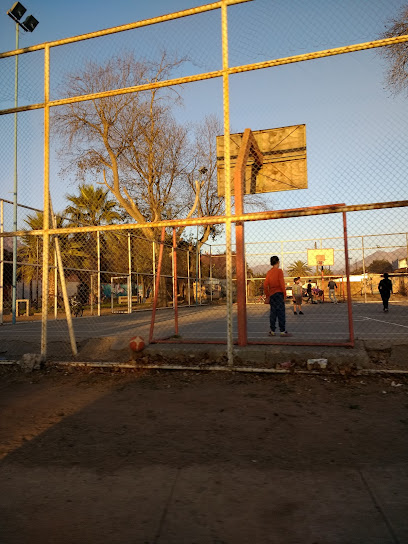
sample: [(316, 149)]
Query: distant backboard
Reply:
[(320, 257), (284, 163)]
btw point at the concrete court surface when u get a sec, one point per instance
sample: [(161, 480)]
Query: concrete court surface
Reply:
[(320, 323), (181, 458)]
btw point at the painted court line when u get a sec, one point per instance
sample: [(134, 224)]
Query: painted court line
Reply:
[(386, 322)]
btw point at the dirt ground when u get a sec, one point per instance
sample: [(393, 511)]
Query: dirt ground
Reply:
[(98, 456)]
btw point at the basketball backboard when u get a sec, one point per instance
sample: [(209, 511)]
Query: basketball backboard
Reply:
[(284, 163), (320, 257)]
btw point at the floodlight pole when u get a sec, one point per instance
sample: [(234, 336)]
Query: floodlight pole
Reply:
[(15, 207), (16, 12)]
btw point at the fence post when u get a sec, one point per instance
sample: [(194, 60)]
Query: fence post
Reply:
[(46, 216), (154, 267), (176, 330), (63, 285), (349, 305), (211, 284), (55, 286), (188, 277), (228, 251), (1, 261), (156, 291), (196, 276), (130, 275), (199, 276), (98, 249), (364, 270)]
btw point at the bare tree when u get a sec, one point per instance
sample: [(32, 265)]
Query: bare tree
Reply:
[(397, 55), (205, 155), (130, 142)]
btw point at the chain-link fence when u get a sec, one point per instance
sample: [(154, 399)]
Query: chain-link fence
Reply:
[(138, 206)]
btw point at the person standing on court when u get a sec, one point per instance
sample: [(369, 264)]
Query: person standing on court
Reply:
[(309, 293), (332, 285), (275, 291), (297, 293), (385, 288)]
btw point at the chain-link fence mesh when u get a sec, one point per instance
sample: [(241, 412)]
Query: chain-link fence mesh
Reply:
[(151, 156)]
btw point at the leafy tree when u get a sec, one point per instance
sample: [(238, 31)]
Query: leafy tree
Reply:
[(357, 270), (31, 252), (8, 273), (326, 272), (299, 268), (379, 266), (397, 55)]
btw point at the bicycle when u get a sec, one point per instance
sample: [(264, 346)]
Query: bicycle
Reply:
[(76, 306)]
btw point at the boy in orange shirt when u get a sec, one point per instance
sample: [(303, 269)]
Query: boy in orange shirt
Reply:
[(274, 288)]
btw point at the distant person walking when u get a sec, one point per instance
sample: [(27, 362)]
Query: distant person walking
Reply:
[(332, 285), (275, 292), (385, 288), (297, 293), (309, 293)]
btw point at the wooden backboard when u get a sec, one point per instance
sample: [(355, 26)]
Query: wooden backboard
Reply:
[(315, 256), (284, 163)]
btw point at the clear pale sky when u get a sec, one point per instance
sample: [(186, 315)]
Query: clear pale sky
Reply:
[(357, 133)]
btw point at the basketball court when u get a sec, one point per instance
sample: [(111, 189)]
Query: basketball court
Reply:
[(324, 323)]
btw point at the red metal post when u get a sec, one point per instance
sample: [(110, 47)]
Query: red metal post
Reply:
[(322, 282), (248, 146), (156, 293), (349, 305), (175, 282)]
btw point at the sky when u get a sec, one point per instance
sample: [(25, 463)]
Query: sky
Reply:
[(357, 132)]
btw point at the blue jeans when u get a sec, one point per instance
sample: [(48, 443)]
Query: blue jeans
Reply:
[(277, 304)]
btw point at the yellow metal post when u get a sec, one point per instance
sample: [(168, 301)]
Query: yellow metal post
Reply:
[(59, 265), (1, 261), (46, 216), (98, 246), (228, 252)]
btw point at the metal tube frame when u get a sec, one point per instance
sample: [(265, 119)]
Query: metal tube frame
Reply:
[(98, 249), (46, 215), (157, 281), (224, 73), (130, 275), (175, 302)]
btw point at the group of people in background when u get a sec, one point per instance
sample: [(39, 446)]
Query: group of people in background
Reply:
[(275, 295)]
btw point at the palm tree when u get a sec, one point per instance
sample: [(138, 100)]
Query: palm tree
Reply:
[(93, 207), (299, 268), (31, 253)]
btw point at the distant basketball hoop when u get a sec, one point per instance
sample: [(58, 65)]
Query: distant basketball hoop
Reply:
[(320, 257)]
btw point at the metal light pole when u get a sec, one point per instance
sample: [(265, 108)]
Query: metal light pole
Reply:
[(16, 12)]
